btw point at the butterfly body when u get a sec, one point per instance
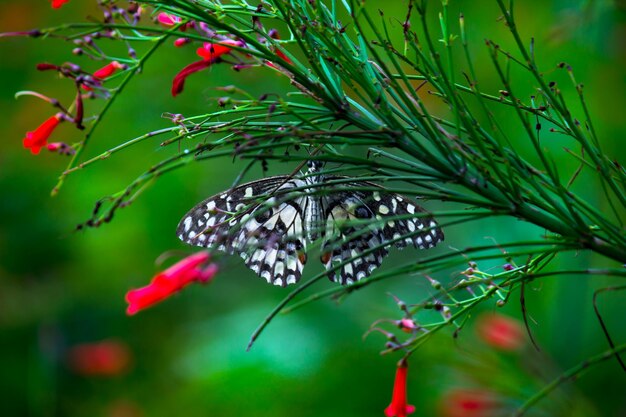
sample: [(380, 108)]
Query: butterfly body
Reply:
[(357, 220)]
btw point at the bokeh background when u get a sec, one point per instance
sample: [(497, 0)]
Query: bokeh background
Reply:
[(68, 349)]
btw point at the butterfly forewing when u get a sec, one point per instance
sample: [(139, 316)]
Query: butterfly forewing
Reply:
[(260, 220)]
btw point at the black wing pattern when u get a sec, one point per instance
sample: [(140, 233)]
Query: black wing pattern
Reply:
[(267, 233), (363, 245)]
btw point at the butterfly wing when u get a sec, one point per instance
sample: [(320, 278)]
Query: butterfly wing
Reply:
[(267, 233), (364, 245)]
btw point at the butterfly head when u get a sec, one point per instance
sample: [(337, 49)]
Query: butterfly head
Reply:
[(315, 166)]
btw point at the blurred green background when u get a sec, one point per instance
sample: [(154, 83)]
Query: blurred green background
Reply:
[(60, 289)]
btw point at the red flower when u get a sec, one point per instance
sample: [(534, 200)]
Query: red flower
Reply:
[(180, 42), (407, 325), (61, 147), (211, 53), (179, 80), (168, 20), (106, 358), (39, 137), (58, 3), (108, 70), (103, 73), (501, 332), (468, 403), (398, 406), (171, 280)]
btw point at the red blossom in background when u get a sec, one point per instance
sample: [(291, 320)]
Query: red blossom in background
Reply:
[(170, 281), (468, 403), (211, 53), (58, 3), (38, 138), (501, 332), (398, 406), (105, 358)]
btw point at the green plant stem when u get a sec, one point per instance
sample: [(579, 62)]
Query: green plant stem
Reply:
[(107, 106), (569, 375)]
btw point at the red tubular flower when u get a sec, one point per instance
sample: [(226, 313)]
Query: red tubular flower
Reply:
[(105, 358), (168, 20), (180, 42), (38, 138), (211, 53), (108, 70), (501, 332), (44, 66), (398, 406), (179, 80), (170, 281), (104, 73), (58, 3)]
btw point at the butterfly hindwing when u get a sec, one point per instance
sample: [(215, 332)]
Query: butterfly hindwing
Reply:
[(267, 233), (359, 224)]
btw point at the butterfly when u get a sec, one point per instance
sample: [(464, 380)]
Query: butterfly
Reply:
[(269, 222)]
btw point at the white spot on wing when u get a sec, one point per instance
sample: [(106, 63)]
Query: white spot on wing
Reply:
[(270, 258), (258, 254), (279, 269)]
